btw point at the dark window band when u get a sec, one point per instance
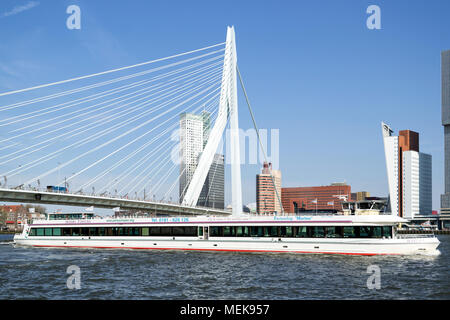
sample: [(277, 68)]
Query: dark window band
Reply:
[(223, 231)]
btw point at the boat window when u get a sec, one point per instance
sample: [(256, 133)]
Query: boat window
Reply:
[(387, 231), (260, 231), (155, 231), (364, 205), (40, 231), (333, 232), (240, 232), (214, 232), (273, 231), (190, 231), (177, 231), (378, 205), (253, 231), (228, 231), (32, 232), (364, 232), (349, 232), (301, 232), (102, 231), (289, 232), (225, 231), (318, 232), (377, 232), (165, 231)]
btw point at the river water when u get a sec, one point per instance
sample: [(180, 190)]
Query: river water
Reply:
[(41, 273)]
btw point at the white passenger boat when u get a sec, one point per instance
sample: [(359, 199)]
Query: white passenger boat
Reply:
[(332, 234)]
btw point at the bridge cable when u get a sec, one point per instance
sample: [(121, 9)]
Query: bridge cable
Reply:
[(106, 72), (259, 138), (84, 141)]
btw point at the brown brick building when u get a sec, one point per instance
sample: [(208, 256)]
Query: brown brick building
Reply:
[(328, 198)]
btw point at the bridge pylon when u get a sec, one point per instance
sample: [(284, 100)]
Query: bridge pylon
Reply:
[(228, 110)]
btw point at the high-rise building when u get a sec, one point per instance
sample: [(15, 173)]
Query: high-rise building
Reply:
[(194, 133), (206, 118), (267, 200), (362, 195), (408, 172), (191, 146), (213, 191), (445, 74), (359, 196)]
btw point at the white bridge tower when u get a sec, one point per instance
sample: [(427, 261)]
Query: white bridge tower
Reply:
[(228, 109)]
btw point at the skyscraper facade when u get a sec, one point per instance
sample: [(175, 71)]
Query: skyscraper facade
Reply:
[(191, 146), (445, 74), (409, 173), (267, 200), (194, 133), (213, 191)]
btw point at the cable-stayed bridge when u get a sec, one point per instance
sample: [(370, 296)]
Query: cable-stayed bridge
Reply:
[(111, 139)]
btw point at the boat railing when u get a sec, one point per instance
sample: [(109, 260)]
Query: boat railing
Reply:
[(414, 236)]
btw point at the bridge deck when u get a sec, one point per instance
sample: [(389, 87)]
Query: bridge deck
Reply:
[(29, 196)]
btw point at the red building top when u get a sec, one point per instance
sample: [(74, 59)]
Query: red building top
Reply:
[(5, 208)]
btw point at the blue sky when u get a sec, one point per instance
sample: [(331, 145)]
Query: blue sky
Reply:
[(312, 69)]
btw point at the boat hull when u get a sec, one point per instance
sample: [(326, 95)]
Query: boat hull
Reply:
[(425, 246)]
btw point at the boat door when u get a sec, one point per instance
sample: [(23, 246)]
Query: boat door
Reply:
[(203, 233)]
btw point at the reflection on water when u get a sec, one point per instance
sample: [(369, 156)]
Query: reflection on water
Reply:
[(40, 273)]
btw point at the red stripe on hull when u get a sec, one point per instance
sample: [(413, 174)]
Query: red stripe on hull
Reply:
[(227, 250)]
